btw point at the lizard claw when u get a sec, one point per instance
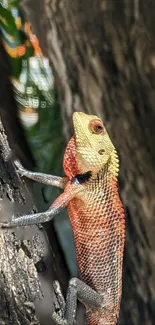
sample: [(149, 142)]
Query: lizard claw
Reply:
[(8, 224), (59, 320), (20, 168), (4, 225)]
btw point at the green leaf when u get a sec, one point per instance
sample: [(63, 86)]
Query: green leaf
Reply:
[(10, 21)]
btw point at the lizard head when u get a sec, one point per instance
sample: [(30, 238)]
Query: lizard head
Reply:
[(93, 145)]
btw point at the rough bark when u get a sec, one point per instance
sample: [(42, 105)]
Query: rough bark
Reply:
[(19, 281), (103, 56)]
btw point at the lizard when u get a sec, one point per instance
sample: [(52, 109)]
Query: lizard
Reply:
[(96, 214)]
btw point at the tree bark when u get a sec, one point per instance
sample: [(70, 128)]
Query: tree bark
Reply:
[(19, 281)]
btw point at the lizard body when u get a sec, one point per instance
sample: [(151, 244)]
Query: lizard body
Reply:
[(97, 219)]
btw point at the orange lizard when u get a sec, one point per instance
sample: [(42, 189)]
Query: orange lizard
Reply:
[(97, 220)]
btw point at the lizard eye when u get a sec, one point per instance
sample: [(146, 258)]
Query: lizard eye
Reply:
[(96, 127)]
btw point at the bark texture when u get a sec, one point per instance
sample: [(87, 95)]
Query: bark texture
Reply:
[(103, 56), (19, 283)]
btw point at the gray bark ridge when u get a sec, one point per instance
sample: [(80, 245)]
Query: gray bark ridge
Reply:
[(19, 282)]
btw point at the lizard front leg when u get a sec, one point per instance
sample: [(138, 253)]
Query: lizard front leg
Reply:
[(77, 290), (40, 177), (58, 205)]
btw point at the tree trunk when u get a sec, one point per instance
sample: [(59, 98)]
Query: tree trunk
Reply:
[(102, 54)]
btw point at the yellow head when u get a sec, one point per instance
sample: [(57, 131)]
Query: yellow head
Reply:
[(94, 148)]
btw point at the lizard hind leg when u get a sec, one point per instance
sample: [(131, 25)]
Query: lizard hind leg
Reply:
[(77, 289), (68, 308)]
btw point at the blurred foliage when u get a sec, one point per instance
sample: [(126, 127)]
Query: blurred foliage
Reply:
[(33, 86), (48, 140), (14, 35)]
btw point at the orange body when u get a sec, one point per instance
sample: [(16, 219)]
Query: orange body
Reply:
[(98, 224)]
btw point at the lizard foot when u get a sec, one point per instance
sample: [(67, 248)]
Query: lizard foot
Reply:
[(7, 223), (4, 225), (76, 290), (20, 169), (60, 316), (59, 320)]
